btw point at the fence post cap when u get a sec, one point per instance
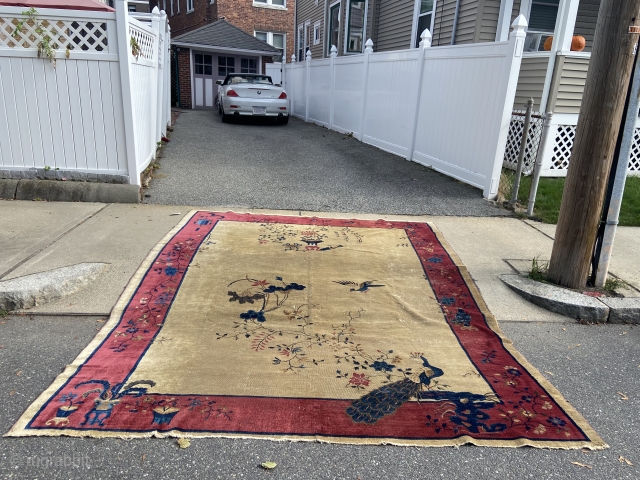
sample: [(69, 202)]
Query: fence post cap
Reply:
[(334, 51), (156, 10), (519, 26), (293, 58), (308, 55), (426, 38), (368, 46)]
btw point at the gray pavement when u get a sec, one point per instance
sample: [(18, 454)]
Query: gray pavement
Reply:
[(34, 350), (299, 166)]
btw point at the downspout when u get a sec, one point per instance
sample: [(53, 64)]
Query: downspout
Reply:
[(455, 23), (175, 51)]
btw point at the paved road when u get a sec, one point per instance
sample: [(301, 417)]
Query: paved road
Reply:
[(589, 375), (300, 166)]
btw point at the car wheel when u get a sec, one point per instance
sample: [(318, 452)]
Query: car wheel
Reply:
[(225, 118), (283, 120)]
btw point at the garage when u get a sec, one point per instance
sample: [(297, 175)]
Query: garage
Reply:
[(210, 53)]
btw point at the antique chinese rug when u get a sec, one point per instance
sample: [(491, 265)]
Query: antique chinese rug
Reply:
[(346, 331)]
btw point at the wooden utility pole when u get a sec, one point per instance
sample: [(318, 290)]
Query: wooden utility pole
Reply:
[(601, 112)]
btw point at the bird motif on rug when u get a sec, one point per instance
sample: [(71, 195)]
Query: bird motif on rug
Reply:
[(360, 287), (388, 398)]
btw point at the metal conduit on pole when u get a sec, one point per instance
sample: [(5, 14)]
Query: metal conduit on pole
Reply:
[(538, 168), (455, 23), (523, 147), (620, 172)]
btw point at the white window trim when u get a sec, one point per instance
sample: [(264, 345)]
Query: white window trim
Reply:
[(317, 29), (270, 5), (327, 24), (171, 6), (270, 40), (178, 4), (192, 6), (346, 27), (416, 16), (164, 5)]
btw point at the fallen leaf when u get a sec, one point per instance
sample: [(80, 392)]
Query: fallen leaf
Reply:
[(622, 396), (582, 465), (269, 465), (624, 460), (624, 333), (585, 450), (144, 457), (12, 392), (564, 329), (19, 372), (184, 443), (549, 373)]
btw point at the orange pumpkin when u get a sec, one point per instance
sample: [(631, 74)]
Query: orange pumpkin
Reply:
[(578, 43), (547, 43)]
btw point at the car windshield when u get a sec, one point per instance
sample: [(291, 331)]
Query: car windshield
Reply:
[(253, 79)]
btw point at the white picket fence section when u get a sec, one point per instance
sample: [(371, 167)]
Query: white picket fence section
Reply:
[(448, 108), (100, 110)]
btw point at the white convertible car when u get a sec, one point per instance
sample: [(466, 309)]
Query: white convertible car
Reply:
[(251, 94)]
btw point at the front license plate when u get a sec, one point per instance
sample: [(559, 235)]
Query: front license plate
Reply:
[(259, 110)]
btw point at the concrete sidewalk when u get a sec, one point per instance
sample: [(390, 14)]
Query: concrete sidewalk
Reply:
[(62, 234)]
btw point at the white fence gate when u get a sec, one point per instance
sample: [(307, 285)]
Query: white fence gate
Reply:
[(98, 111), (448, 107)]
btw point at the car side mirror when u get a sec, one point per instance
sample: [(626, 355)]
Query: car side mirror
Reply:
[(218, 82)]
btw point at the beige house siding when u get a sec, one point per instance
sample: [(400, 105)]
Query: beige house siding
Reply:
[(308, 11), (395, 21), (568, 82), (466, 21), (531, 81), (586, 21)]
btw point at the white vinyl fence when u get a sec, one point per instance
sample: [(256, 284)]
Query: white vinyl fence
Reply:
[(98, 111), (447, 107)]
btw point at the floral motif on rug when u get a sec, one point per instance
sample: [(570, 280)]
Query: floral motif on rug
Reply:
[(349, 331)]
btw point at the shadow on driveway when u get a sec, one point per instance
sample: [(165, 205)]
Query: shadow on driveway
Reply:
[(257, 163)]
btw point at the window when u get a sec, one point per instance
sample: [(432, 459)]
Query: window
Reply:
[(355, 28), (226, 65), (316, 33), (425, 14), (204, 64), (178, 5), (275, 40), (164, 5), (275, 3), (542, 23), (132, 8), (189, 6), (334, 26), (248, 65), (172, 7)]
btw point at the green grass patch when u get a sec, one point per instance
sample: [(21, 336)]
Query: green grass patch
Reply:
[(549, 197)]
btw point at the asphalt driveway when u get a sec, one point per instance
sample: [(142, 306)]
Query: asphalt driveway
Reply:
[(300, 166)]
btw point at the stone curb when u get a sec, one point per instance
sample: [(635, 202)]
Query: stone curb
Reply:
[(40, 288), (573, 304), (61, 191)]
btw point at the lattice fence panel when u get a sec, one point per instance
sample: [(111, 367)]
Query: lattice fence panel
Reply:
[(71, 34), (634, 161), (564, 142), (145, 41), (516, 128), (562, 147)]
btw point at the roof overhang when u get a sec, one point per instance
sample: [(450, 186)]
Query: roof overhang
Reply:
[(211, 48)]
